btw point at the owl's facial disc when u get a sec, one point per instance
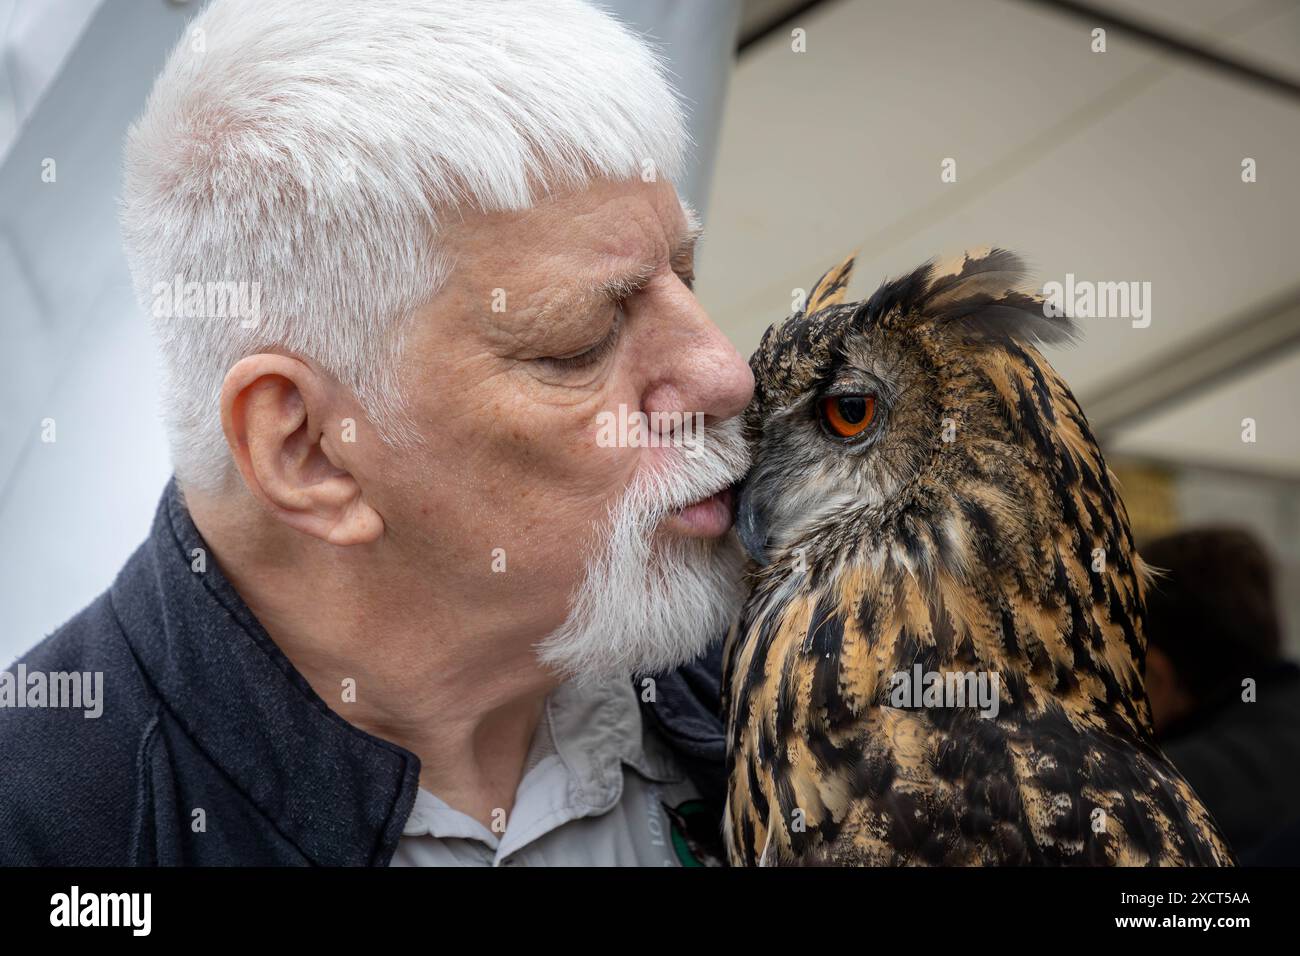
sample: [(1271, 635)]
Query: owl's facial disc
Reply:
[(823, 450)]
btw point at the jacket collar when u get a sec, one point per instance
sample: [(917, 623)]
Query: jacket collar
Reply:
[(339, 794), (685, 708)]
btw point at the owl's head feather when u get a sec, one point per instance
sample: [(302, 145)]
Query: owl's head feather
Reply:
[(977, 297)]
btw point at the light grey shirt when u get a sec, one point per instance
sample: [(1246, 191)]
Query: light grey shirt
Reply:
[(599, 789)]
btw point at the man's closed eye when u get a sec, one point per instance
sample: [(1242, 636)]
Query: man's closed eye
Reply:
[(587, 358)]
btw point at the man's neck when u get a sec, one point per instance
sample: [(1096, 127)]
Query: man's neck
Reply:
[(391, 659)]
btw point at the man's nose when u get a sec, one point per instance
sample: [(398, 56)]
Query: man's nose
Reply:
[(705, 371), (727, 382)]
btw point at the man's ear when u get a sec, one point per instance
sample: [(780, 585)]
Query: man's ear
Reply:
[(274, 409)]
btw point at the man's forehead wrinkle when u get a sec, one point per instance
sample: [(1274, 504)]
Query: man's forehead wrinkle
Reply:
[(658, 244), (636, 235), (626, 275), (628, 250), (561, 260)]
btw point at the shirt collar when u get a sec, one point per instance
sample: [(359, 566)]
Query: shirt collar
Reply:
[(587, 735), (596, 729), (339, 794)]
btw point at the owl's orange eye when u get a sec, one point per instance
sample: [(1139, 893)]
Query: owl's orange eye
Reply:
[(848, 415)]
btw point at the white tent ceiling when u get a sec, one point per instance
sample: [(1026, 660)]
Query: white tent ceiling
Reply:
[(1115, 166)]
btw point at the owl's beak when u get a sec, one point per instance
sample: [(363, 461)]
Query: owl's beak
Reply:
[(751, 521)]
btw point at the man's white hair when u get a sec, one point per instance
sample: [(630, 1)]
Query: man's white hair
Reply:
[(310, 149)]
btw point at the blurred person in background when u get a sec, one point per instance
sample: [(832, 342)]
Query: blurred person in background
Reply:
[(1225, 703)]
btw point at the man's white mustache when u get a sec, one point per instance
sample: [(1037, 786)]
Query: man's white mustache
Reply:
[(718, 460)]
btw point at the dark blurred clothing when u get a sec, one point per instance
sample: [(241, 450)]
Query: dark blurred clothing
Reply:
[(1213, 612), (1243, 760)]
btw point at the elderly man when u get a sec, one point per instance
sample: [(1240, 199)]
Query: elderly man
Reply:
[(409, 599)]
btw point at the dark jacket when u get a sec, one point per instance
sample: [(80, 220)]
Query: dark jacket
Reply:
[(213, 750), (1243, 760)]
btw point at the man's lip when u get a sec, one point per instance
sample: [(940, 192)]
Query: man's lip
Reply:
[(710, 517)]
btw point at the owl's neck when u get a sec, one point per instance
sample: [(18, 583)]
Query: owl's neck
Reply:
[(1034, 580)]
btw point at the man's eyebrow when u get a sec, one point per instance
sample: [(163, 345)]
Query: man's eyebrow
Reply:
[(691, 234), (620, 287), (690, 237), (623, 286)]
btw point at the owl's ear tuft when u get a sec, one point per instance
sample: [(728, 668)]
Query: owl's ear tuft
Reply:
[(982, 294), (831, 287)]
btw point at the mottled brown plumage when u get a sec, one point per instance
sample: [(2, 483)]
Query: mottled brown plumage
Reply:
[(971, 527)]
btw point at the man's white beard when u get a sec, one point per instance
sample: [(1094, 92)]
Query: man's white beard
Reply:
[(651, 603)]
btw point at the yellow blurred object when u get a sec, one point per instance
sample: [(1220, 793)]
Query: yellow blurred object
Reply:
[(1149, 492)]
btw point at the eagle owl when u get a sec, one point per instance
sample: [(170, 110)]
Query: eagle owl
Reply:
[(940, 659)]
